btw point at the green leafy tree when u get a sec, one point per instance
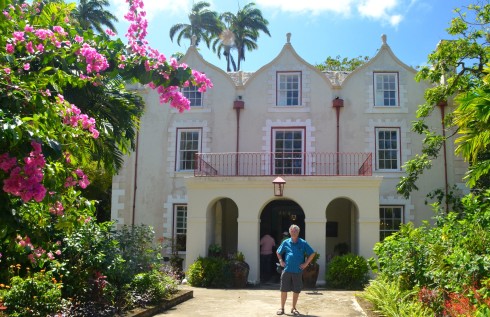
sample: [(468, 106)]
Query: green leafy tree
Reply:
[(342, 64), (63, 106), (92, 14), (455, 67), (223, 44), (203, 24), (472, 116), (245, 26)]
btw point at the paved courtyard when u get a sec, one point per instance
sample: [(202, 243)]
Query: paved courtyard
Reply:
[(265, 301)]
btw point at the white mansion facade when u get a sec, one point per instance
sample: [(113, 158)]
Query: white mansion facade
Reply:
[(338, 139)]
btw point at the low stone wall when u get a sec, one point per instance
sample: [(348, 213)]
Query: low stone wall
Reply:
[(177, 298)]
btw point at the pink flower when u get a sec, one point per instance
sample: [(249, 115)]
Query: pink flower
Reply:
[(57, 252), (18, 36), (109, 32), (27, 66), (7, 71), (9, 48), (78, 39)]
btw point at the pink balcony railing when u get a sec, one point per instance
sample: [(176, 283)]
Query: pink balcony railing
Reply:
[(300, 164)]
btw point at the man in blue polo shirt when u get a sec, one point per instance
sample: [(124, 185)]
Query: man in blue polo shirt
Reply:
[(291, 255)]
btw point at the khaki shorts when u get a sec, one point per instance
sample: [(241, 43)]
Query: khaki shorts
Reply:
[(291, 282)]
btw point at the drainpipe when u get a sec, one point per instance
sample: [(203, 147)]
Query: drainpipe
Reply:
[(338, 103), (135, 177), (443, 104), (238, 105)]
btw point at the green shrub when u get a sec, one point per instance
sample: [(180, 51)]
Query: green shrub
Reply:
[(36, 295), (209, 272), (151, 287), (389, 299), (348, 271)]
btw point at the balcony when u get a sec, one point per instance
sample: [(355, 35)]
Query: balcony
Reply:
[(295, 163)]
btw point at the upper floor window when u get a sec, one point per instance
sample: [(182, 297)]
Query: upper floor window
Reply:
[(289, 88), (180, 227), (390, 220), (387, 149), (288, 151), (188, 144), (194, 95), (386, 89)]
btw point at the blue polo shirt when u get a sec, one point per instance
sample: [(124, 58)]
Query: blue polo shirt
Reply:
[(294, 254)]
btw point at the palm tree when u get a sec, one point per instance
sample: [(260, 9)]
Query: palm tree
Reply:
[(203, 24), (91, 14), (246, 25), (225, 42)]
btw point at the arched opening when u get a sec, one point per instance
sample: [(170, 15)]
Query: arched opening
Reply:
[(275, 219), (341, 228), (223, 226)]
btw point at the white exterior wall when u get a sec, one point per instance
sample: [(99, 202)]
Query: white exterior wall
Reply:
[(148, 186)]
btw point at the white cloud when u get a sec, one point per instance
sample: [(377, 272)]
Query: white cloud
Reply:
[(386, 11), (153, 8), (380, 10), (309, 6)]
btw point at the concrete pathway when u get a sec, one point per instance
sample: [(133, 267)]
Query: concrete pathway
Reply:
[(264, 300)]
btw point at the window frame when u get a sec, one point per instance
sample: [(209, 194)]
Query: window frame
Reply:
[(176, 228), (178, 151), (282, 101), (378, 150), (384, 221), (292, 156), (396, 98), (192, 93)]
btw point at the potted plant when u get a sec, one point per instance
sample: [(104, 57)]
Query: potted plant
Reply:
[(214, 250), (310, 273), (341, 248), (239, 270)]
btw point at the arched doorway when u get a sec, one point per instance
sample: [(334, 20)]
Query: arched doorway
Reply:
[(341, 227), (275, 219), (223, 226)]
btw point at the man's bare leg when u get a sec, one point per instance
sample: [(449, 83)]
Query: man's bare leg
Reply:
[(295, 299)]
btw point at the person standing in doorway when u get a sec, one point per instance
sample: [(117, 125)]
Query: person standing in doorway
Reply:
[(267, 243), (291, 254)]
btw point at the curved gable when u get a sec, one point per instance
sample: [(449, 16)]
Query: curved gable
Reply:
[(383, 51), (193, 53), (286, 51)]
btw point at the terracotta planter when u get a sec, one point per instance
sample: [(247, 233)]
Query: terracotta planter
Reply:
[(239, 274), (310, 275)]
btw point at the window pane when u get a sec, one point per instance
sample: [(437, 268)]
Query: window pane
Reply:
[(288, 87), (180, 227), (386, 89), (390, 220), (388, 151), (194, 95), (288, 152), (188, 147)]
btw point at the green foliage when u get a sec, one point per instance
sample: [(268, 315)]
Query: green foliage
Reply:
[(88, 253), (449, 258), (214, 250), (389, 299), (152, 286), (455, 67), (36, 295), (209, 272), (342, 64), (136, 245), (348, 271)]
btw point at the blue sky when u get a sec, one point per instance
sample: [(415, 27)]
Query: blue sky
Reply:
[(319, 28)]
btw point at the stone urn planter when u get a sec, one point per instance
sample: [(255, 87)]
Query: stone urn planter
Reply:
[(239, 271), (310, 273)]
